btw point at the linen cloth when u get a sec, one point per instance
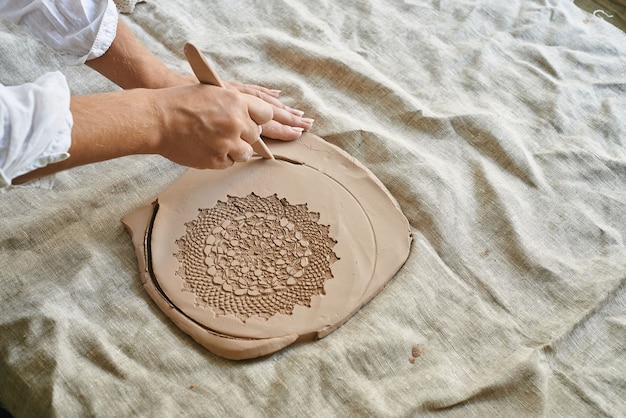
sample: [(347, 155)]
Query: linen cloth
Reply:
[(498, 126)]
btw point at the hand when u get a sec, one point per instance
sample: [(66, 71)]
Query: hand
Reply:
[(287, 123), (209, 127)]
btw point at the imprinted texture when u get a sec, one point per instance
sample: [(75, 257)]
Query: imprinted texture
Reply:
[(255, 256)]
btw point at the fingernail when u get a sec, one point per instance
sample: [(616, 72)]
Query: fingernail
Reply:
[(308, 120), (275, 92), (297, 112), (297, 129)]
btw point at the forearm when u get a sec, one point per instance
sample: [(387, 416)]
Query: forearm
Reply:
[(129, 64), (130, 127)]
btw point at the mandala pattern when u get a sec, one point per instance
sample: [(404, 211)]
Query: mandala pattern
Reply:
[(255, 256)]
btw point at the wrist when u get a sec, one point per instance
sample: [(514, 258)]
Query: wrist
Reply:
[(163, 114)]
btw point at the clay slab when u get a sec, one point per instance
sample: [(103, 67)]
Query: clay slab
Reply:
[(250, 259)]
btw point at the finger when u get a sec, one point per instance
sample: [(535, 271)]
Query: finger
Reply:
[(252, 89), (276, 130), (262, 94), (242, 152), (223, 164), (287, 118), (259, 110), (214, 162), (268, 95), (252, 133)]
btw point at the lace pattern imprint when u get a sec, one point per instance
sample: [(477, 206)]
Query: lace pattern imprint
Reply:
[(255, 256)]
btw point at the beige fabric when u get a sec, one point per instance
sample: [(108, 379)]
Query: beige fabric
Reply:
[(498, 126)]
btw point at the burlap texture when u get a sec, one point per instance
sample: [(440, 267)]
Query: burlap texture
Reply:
[(498, 126)]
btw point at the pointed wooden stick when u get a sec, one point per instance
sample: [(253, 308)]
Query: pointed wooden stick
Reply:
[(207, 75)]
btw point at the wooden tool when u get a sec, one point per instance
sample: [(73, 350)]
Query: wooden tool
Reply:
[(207, 75)]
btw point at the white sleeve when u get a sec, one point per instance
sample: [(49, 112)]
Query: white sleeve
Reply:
[(78, 30), (36, 127)]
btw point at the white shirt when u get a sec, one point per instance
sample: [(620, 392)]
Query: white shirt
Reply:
[(36, 119)]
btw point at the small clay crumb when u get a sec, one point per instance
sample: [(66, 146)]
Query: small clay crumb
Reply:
[(416, 351), (192, 386)]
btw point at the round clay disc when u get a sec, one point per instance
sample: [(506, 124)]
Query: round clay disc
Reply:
[(264, 249), (251, 259)]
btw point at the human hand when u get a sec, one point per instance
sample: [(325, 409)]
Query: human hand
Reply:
[(287, 123), (209, 127)]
